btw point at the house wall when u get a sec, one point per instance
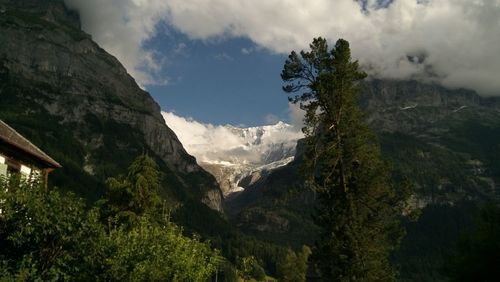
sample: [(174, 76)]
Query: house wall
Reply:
[(3, 167), (14, 160), (3, 173), (9, 165)]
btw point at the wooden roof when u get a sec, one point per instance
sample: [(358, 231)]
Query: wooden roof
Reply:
[(13, 138)]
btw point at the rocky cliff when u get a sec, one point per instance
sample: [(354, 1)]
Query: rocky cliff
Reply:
[(411, 106), (50, 69)]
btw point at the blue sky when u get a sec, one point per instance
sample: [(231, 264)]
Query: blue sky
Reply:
[(222, 81), (188, 53)]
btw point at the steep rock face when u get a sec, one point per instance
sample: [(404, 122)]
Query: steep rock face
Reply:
[(445, 139), (227, 175), (49, 67), (410, 106), (51, 11)]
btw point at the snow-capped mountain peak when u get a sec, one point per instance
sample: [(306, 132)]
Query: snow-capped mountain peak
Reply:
[(263, 144), (231, 153)]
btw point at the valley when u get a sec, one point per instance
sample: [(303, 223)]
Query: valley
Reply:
[(427, 133), (237, 192)]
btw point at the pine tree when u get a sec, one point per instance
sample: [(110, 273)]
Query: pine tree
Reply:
[(135, 193), (293, 267), (357, 205)]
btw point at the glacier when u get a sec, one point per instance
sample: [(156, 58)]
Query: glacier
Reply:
[(231, 153)]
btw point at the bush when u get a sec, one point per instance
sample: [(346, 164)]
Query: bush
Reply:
[(48, 236), (51, 236)]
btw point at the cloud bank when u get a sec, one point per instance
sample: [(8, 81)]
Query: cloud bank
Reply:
[(122, 27), (452, 42), (228, 144), (199, 139)]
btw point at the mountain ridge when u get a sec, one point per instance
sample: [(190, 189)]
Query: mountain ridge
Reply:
[(446, 142)]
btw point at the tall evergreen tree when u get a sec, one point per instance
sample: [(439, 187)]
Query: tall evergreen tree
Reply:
[(293, 267), (135, 193), (357, 205)]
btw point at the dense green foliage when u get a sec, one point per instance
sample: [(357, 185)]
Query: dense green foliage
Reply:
[(293, 267), (431, 240), (152, 252), (478, 255), (47, 132), (134, 194), (455, 168), (49, 235), (249, 268), (358, 207)]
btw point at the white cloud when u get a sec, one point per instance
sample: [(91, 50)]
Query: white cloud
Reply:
[(246, 51), (223, 57), (296, 116), (456, 42), (200, 139), (457, 39), (180, 49), (271, 119), (216, 143), (122, 27)]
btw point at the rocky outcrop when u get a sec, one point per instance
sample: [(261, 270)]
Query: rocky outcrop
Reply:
[(228, 176), (213, 199), (48, 60), (411, 106), (54, 12)]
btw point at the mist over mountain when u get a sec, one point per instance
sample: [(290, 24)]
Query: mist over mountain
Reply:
[(231, 153)]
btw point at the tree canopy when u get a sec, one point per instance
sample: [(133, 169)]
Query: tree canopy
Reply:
[(52, 236), (358, 207), (478, 254), (293, 267)]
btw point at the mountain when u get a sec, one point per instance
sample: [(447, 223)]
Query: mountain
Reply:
[(78, 103), (447, 142), (256, 151), (268, 143)]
